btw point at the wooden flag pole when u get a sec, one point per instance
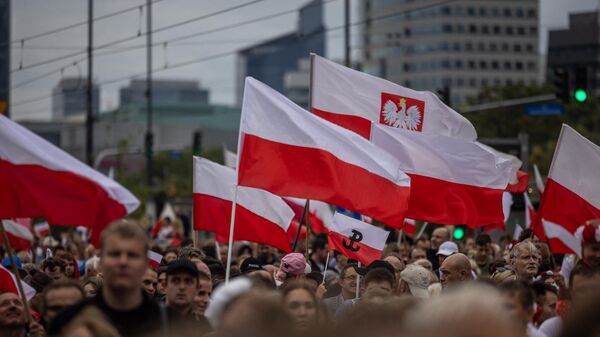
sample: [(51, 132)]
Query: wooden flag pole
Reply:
[(300, 227), (231, 229), (15, 272), (326, 264), (357, 282)]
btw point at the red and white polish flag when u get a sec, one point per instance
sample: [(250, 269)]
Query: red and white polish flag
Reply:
[(8, 284), (290, 152), (154, 259), (530, 214), (410, 227), (356, 239), (321, 214), (571, 194), (353, 100), (40, 180), (539, 182), (259, 215), (41, 229), (19, 236), (453, 181)]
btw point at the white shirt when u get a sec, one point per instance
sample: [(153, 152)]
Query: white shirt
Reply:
[(533, 332), (551, 327)]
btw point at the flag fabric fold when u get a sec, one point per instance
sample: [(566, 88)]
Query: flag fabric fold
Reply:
[(320, 213), (260, 216), (353, 100), (18, 235), (290, 152), (453, 181), (154, 259), (571, 195), (40, 180), (8, 283), (356, 239)]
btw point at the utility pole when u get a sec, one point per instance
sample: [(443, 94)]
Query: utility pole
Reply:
[(347, 33), (89, 118), (149, 134)]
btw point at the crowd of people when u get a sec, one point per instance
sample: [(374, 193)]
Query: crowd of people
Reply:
[(429, 286)]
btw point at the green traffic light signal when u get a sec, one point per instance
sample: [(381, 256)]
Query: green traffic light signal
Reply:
[(458, 233), (580, 95)]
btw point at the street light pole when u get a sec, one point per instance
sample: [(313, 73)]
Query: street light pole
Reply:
[(89, 120), (149, 135)]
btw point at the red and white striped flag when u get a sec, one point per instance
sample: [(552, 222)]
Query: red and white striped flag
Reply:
[(41, 229), (260, 216), (353, 99), (530, 214), (8, 284), (571, 194), (18, 235), (290, 152), (539, 182), (356, 239), (453, 181), (40, 180), (320, 213), (410, 227), (154, 259)]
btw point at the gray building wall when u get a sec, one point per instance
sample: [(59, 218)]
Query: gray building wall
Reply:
[(577, 48), (164, 92), (69, 98), (465, 45)]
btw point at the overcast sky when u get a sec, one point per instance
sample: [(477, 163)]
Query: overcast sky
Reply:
[(30, 17)]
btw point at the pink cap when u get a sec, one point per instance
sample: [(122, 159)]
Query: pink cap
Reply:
[(293, 263)]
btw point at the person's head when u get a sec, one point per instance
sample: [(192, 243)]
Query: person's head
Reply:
[(439, 236), (546, 297), (91, 286), (170, 254), (455, 269), (92, 266), (584, 280), (59, 252), (182, 284), (590, 243), (414, 281), (525, 260), (424, 263), (59, 295), (519, 301), (70, 265), (202, 297), (54, 267), (416, 254), (250, 265), (483, 248), (90, 322), (319, 247), (123, 261), (150, 282), (161, 277), (348, 280), (12, 312), (581, 319), (292, 266), (301, 304), (313, 280), (397, 263), (381, 279), (446, 249), (201, 265), (423, 243)]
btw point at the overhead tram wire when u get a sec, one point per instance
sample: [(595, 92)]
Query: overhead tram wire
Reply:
[(233, 52), (136, 36)]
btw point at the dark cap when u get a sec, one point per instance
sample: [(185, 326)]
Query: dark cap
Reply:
[(250, 264), (182, 265), (376, 264)]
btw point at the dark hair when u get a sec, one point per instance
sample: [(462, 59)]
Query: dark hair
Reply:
[(525, 234), (66, 283), (187, 242), (582, 269), (346, 267), (58, 247), (191, 252), (521, 289), (315, 276), (171, 249), (243, 248), (320, 242), (380, 275), (483, 239), (53, 262), (217, 271), (540, 289)]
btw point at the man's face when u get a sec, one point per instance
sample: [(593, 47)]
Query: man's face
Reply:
[(583, 286), (69, 267), (349, 281), (515, 309), (482, 253), (526, 264), (439, 236), (123, 263), (12, 313), (416, 254), (181, 289), (450, 274), (150, 282), (55, 272), (162, 283), (170, 256), (383, 285), (202, 298), (549, 306), (591, 251), (58, 299)]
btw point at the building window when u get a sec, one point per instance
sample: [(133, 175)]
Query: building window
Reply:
[(460, 28), (447, 28), (445, 10), (485, 29), (495, 11), (505, 47), (456, 46), (472, 82), (531, 13), (481, 46), (509, 31), (482, 65), (532, 30), (472, 29), (493, 47), (482, 11), (521, 30), (497, 30), (468, 46), (517, 48), (458, 64), (460, 82), (507, 12), (495, 65), (471, 11), (530, 65), (471, 64), (507, 65), (529, 48), (484, 82), (406, 31), (508, 81), (519, 65), (520, 12), (497, 82)]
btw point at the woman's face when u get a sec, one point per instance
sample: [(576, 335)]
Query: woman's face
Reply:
[(303, 309)]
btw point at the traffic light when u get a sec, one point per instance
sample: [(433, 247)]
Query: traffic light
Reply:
[(197, 142), (444, 95), (561, 85), (149, 142), (458, 233), (580, 93)]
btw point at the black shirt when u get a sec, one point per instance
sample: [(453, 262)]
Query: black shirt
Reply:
[(147, 318)]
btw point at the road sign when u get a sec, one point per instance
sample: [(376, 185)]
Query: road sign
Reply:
[(549, 109)]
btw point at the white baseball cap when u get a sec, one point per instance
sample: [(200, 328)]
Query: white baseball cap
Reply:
[(447, 248), (417, 279)]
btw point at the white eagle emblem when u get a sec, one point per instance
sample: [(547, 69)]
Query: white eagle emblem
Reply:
[(404, 118)]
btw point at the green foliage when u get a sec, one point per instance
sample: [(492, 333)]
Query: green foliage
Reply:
[(543, 131)]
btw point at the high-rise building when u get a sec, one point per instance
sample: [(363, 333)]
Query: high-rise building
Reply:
[(464, 45), (4, 54), (69, 98), (576, 50), (269, 61), (164, 92)]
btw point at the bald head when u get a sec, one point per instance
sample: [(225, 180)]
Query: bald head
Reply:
[(439, 236), (456, 268)]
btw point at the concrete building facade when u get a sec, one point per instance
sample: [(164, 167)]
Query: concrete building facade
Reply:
[(164, 92), (69, 98)]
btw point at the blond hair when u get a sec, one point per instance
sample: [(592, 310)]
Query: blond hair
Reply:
[(125, 229)]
